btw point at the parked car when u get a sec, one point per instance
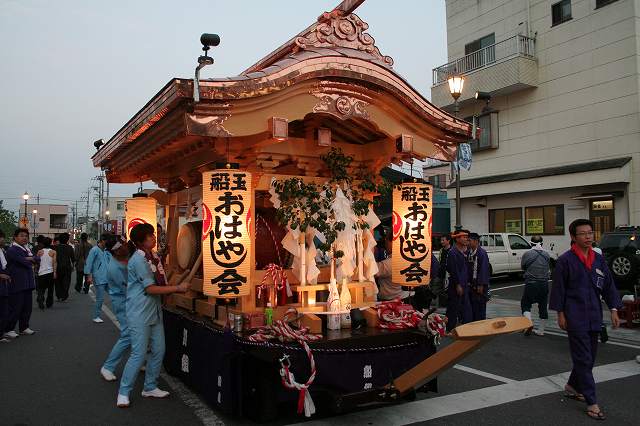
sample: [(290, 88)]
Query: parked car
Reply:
[(621, 249), (505, 252)]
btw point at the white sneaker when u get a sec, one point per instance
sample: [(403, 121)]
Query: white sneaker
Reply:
[(638, 359), (538, 332), (28, 331), (123, 401), (11, 334), (155, 393), (108, 375), (7, 340), (98, 320)]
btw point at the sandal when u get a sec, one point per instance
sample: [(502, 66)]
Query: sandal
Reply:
[(571, 393), (596, 415)]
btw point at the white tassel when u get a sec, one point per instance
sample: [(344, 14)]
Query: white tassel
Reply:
[(309, 406)]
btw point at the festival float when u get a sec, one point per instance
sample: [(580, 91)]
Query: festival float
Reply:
[(268, 182)]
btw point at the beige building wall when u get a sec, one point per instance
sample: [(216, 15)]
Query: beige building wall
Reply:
[(586, 105)]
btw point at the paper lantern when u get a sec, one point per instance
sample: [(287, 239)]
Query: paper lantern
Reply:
[(140, 210), (411, 252), (227, 220)]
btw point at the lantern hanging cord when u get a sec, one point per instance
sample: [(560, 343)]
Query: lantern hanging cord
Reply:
[(228, 163)]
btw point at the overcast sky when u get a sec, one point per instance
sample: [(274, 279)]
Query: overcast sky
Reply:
[(73, 72)]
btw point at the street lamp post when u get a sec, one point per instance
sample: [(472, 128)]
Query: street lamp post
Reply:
[(35, 212), (25, 220), (456, 83)]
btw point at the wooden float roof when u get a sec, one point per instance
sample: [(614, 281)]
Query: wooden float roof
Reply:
[(330, 75)]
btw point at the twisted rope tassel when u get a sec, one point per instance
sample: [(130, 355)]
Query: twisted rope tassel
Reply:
[(282, 330)]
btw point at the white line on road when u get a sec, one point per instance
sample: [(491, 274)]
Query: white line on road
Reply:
[(191, 400), (504, 288), (433, 408), (609, 342), (483, 374)]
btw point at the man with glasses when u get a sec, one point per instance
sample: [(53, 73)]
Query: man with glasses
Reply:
[(581, 277)]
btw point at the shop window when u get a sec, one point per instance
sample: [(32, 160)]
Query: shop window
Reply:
[(120, 206), (560, 12), (505, 220), (544, 220)]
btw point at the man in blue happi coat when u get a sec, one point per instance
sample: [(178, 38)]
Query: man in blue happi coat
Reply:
[(458, 304), (20, 262), (581, 277), (478, 278)]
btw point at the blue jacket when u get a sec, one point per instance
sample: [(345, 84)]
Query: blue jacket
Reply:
[(482, 268), (96, 265), (457, 268), (117, 277), (19, 269), (576, 291)]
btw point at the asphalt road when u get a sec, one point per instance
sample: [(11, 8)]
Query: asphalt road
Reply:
[(52, 378)]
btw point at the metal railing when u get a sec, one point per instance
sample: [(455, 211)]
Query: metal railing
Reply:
[(517, 45)]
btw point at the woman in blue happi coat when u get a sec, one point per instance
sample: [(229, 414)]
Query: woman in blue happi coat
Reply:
[(580, 279), (145, 286), (117, 288)]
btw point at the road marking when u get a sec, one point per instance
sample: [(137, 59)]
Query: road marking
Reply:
[(201, 410), (484, 374), (609, 342), (433, 408), (504, 288)]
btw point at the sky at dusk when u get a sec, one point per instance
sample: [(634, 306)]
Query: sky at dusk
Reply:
[(76, 71)]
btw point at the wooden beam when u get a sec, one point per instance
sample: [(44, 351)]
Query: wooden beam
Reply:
[(435, 364)]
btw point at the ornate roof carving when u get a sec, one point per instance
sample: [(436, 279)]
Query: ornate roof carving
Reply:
[(335, 29)]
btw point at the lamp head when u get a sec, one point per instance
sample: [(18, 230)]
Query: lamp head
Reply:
[(483, 96), (209, 40), (25, 196), (456, 83), (98, 144)]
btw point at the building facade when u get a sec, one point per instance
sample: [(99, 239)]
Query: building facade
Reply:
[(561, 131), (47, 219)]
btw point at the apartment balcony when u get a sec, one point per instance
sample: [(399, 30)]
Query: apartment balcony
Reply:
[(502, 68)]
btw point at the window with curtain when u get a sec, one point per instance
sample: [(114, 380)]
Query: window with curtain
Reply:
[(506, 220)]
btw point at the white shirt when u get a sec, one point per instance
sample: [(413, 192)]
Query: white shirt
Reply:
[(388, 290)]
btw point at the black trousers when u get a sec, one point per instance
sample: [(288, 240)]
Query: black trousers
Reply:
[(536, 292), (63, 281), (80, 283), (45, 284), (20, 305)]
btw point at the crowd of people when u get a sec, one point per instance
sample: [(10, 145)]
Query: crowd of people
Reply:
[(581, 280), (130, 272)]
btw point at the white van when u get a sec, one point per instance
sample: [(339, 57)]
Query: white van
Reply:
[(505, 252)]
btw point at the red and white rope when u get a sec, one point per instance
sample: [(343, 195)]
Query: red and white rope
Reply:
[(396, 315), (283, 331), (279, 279)]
